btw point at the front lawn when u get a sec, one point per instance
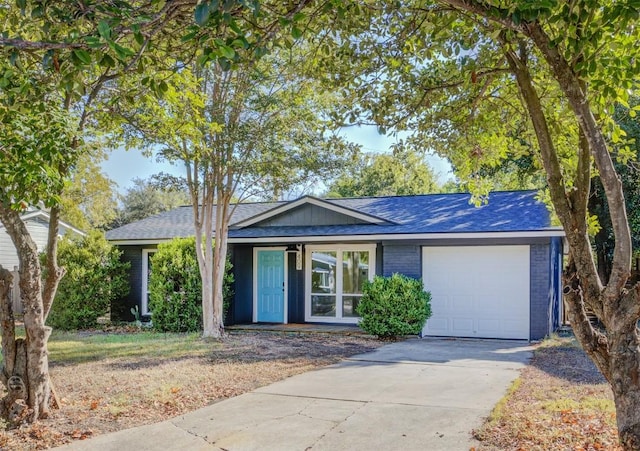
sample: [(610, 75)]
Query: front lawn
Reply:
[(560, 401), (112, 381)]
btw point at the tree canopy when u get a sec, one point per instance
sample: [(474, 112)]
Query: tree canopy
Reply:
[(483, 82), (146, 198), (401, 173)]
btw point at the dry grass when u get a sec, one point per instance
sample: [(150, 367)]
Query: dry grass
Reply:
[(108, 382), (560, 402)]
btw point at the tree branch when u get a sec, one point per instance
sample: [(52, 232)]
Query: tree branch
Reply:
[(574, 223), (573, 89)]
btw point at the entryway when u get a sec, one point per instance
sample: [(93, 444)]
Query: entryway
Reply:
[(270, 290)]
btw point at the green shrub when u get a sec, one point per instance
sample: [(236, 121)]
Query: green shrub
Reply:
[(394, 306), (94, 278), (175, 287)]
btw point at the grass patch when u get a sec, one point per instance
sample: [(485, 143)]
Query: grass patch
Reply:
[(560, 401), (498, 411), (70, 348)]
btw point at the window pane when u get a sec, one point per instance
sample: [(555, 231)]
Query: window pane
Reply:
[(349, 304), (323, 272), (323, 305), (355, 270), (149, 268)]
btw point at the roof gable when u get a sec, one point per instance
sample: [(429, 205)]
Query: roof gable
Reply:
[(43, 217), (310, 211)]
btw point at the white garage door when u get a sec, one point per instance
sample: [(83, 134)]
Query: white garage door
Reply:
[(477, 291)]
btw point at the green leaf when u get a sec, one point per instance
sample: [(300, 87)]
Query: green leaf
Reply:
[(139, 38), (189, 36), (104, 30), (107, 61), (296, 33), (83, 56), (227, 52), (202, 13), (121, 52), (93, 42)]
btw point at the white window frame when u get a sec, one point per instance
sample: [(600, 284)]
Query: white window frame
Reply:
[(339, 249), (144, 299)]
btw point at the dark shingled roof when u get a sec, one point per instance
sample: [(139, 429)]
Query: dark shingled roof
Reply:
[(508, 211)]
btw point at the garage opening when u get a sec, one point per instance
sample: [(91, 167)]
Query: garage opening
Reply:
[(477, 291)]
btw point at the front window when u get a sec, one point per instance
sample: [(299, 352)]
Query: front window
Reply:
[(146, 274), (335, 277)]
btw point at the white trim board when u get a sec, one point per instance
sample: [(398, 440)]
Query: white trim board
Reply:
[(394, 237), (373, 237)]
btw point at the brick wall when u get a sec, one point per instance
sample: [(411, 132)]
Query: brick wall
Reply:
[(540, 284), (403, 259)]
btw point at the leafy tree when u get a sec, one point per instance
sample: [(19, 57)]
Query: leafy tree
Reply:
[(241, 131), (56, 58), (38, 141), (89, 200), (507, 79), (604, 240), (401, 173), (94, 278), (145, 198)]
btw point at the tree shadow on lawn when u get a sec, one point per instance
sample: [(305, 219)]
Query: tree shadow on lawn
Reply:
[(568, 362), (132, 364)]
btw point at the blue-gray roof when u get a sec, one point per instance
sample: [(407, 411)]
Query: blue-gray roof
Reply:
[(508, 211)]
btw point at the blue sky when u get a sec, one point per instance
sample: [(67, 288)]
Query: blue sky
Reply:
[(123, 166)]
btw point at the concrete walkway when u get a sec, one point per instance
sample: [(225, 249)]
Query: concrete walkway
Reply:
[(414, 395)]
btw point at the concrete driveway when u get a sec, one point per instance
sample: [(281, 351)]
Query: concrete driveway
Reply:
[(422, 394)]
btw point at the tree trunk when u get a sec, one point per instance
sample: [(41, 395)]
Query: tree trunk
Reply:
[(26, 366), (625, 381)]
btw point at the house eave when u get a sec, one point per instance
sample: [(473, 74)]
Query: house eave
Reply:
[(399, 237), (371, 237), (138, 242)]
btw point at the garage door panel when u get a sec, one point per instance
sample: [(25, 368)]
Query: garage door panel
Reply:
[(462, 326), (487, 326), (461, 303), (439, 326), (478, 291)]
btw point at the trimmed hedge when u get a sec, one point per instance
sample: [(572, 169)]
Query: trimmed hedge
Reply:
[(94, 278), (175, 287), (394, 306)]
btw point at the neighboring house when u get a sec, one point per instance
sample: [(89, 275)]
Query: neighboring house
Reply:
[(493, 271), (37, 222)]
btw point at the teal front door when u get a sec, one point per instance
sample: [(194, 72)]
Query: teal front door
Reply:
[(270, 291)]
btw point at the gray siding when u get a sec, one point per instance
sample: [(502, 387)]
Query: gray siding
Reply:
[(539, 291), (403, 259), (306, 215), (38, 230)]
